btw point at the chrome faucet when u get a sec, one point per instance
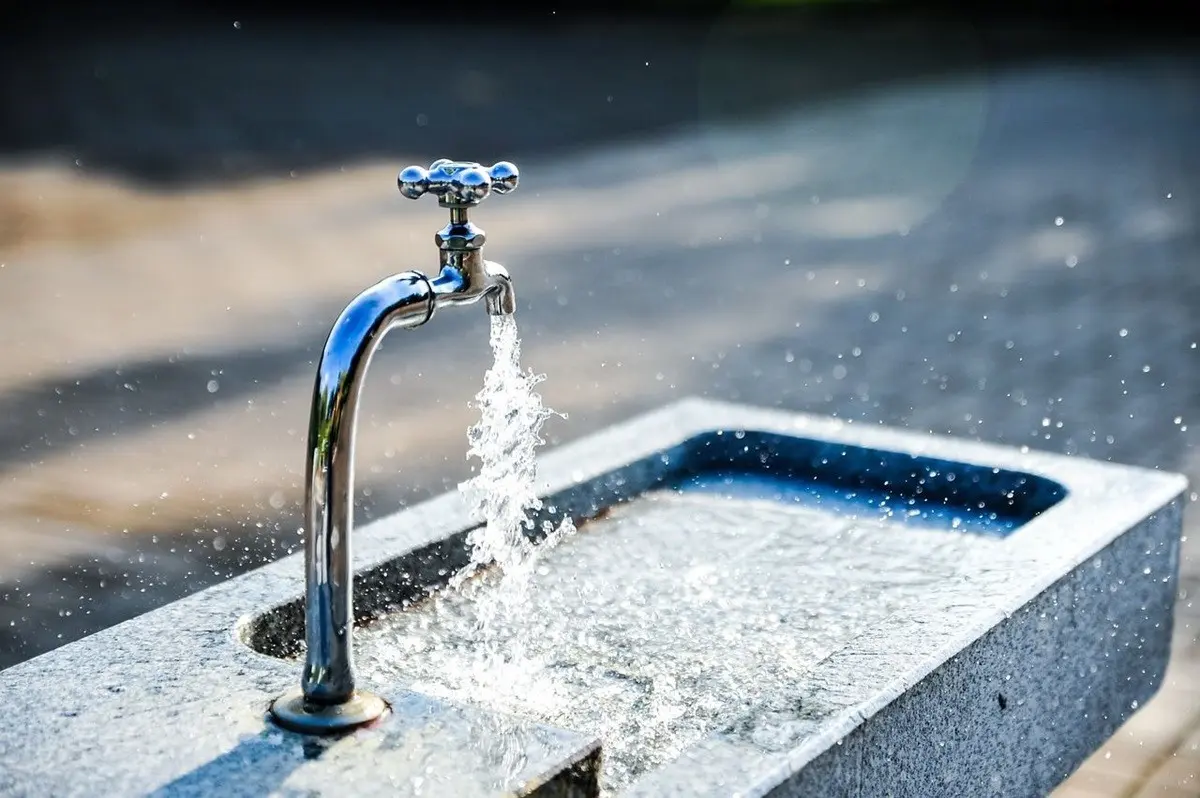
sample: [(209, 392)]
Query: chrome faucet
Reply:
[(327, 700)]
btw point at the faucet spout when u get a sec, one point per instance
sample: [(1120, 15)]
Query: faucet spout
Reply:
[(502, 300), (328, 701), (465, 276), (463, 281)]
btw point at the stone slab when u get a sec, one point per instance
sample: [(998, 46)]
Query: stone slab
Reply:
[(999, 685)]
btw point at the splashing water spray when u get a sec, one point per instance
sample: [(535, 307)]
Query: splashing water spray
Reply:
[(328, 700), (502, 496), (503, 493)]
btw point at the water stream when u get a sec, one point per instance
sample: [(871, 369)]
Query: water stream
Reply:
[(502, 495), (503, 491)]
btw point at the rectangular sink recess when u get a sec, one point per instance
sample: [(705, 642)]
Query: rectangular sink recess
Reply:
[(985, 500), (985, 620)]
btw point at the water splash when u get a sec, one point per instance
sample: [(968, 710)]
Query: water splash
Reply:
[(504, 491), (673, 618), (503, 495), (500, 655)]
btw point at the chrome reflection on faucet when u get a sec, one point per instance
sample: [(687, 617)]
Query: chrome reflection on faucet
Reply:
[(327, 700)]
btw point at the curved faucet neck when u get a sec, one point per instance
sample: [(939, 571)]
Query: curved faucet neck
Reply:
[(404, 300)]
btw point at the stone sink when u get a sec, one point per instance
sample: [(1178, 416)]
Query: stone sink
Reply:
[(752, 603)]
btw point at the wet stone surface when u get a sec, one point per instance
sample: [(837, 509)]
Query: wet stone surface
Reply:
[(870, 652), (667, 619)]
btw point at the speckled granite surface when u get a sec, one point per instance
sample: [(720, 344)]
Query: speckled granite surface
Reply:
[(997, 684)]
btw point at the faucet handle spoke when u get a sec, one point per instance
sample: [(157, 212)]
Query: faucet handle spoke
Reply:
[(458, 184)]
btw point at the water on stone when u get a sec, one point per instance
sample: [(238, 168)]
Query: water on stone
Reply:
[(667, 619)]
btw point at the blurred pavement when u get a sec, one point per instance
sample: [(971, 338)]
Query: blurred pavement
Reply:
[(986, 233)]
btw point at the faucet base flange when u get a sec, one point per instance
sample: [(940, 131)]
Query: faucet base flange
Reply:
[(292, 712)]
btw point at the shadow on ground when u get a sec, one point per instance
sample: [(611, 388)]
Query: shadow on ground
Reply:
[(202, 92), (973, 322)]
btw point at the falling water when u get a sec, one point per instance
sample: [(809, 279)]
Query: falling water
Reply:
[(502, 495), (504, 492)]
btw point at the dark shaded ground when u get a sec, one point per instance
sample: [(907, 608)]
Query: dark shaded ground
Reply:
[(965, 330), (198, 92)]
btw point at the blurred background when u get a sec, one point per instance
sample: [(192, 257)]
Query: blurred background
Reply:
[(981, 224)]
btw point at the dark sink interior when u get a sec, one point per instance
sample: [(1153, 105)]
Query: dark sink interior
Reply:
[(857, 481), (744, 464)]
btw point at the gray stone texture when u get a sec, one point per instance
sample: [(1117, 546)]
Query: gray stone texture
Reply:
[(997, 685)]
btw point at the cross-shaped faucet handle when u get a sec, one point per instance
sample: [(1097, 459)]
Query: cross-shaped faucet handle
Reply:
[(458, 184)]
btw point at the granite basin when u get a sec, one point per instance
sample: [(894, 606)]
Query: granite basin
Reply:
[(753, 603), (748, 583)]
